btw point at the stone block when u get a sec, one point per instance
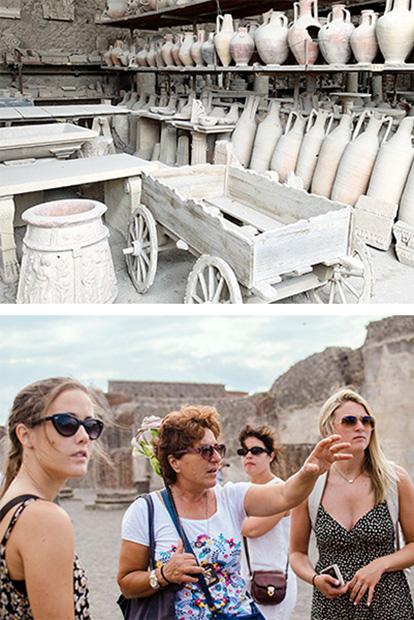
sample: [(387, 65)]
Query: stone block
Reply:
[(374, 220), (404, 246)]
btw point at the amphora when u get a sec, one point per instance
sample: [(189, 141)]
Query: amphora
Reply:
[(335, 34), (311, 145), (223, 38), (395, 31), (330, 155), (267, 136), (271, 39), (244, 133), (241, 47), (303, 33), (285, 155), (363, 39)]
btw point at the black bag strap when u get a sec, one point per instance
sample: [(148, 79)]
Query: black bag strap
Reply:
[(150, 506), (172, 509), (246, 550), (16, 500)]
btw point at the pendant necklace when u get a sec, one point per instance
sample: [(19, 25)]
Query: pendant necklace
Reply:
[(349, 481)]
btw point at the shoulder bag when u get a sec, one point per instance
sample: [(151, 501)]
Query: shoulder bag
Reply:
[(160, 605), (268, 587)]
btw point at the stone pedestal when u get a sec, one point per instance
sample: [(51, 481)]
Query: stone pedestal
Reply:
[(374, 220), (404, 246), (116, 499)]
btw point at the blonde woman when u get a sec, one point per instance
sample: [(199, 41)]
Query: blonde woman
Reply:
[(354, 511), (267, 538), (51, 431)]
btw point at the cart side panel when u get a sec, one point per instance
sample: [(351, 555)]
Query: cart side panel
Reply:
[(287, 204), (202, 228), (298, 246), (197, 182)]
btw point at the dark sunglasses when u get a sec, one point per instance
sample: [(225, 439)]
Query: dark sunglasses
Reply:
[(67, 424), (256, 450), (351, 420), (207, 451)]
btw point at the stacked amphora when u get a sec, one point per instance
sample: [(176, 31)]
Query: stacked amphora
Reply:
[(303, 33), (287, 149), (395, 31), (334, 36), (311, 145)]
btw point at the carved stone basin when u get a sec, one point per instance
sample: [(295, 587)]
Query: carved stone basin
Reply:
[(51, 140)]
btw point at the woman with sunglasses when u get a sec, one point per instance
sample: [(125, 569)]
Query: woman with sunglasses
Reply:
[(189, 455), (266, 538), (51, 429), (354, 511)]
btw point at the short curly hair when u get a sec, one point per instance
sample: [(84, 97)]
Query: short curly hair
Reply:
[(267, 435), (180, 430)]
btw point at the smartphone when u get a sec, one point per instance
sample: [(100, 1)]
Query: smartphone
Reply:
[(334, 572)]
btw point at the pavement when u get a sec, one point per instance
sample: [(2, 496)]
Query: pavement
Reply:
[(97, 543)]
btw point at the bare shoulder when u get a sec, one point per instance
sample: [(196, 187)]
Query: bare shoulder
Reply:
[(44, 517), (403, 475)]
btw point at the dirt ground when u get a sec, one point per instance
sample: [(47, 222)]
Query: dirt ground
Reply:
[(98, 539)]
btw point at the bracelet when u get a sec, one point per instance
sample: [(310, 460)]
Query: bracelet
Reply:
[(163, 576), (313, 579)]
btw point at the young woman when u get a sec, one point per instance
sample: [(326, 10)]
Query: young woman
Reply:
[(354, 511), (189, 456), (51, 431), (267, 538)]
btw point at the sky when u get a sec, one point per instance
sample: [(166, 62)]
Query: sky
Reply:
[(246, 353)]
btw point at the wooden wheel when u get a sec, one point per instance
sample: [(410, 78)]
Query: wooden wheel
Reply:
[(349, 281), (212, 281), (142, 252)]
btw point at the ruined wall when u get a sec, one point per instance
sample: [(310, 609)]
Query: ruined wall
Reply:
[(165, 389)]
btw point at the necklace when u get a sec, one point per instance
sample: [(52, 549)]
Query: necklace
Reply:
[(349, 481)]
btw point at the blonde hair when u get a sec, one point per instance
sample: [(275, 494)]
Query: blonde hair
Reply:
[(375, 464), (28, 407)]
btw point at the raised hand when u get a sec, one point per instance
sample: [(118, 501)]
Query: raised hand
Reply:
[(326, 452)]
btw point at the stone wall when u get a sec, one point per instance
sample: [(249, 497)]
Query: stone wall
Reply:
[(164, 389)]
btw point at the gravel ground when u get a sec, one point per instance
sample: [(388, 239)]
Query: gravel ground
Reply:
[(97, 539)]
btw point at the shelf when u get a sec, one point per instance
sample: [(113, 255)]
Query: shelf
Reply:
[(199, 11), (353, 6)]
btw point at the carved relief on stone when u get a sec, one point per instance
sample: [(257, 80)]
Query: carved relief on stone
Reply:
[(64, 10)]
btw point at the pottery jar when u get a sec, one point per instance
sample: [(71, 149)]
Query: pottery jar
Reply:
[(156, 5), (175, 51), (195, 50), (241, 47), (363, 39), (330, 155), (142, 56), (223, 37), (267, 136), (287, 149), (116, 8), (311, 145), (208, 50), (303, 33), (185, 50), (271, 39), (334, 36), (357, 162), (395, 31), (166, 50), (393, 164), (66, 255), (108, 57), (116, 51), (244, 133), (151, 55)]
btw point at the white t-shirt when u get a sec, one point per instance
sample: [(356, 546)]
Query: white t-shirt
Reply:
[(216, 541)]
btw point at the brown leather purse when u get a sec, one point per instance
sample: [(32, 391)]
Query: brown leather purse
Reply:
[(268, 587)]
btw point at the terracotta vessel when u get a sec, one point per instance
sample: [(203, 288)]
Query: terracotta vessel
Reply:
[(151, 55), (195, 50), (208, 50), (223, 38), (108, 57), (363, 39), (185, 50), (285, 155), (330, 155), (117, 49), (395, 31), (335, 34), (311, 145), (166, 50), (271, 39), (116, 8), (244, 133), (303, 33), (176, 50), (241, 47), (267, 136)]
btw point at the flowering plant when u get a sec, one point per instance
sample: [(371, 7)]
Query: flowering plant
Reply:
[(143, 441)]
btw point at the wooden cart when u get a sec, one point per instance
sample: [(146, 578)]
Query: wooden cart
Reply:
[(258, 241)]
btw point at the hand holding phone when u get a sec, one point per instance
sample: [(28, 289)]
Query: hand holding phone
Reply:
[(334, 572)]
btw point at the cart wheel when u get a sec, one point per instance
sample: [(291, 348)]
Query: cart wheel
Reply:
[(212, 281), (142, 251), (350, 281)]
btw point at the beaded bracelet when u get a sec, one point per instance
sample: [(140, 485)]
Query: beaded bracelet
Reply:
[(163, 576), (313, 578)]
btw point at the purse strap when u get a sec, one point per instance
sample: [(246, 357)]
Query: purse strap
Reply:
[(246, 550), (172, 509), (150, 506)]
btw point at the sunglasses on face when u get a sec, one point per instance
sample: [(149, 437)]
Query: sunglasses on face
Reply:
[(351, 420), (256, 450), (207, 451), (67, 425)]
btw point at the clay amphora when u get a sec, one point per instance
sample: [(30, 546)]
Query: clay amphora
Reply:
[(159, 61), (241, 47), (335, 34), (116, 51), (196, 49), (142, 56), (311, 145), (108, 57), (185, 50), (116, 8), (223, 38), (363, 39), (330, 155), (271, 39), (357, 162), (208, 50), (393, 164), (166, 50), (287, 149), (406, 210), (151, 55), (303, 33), (155, 5), (243, 135), (395, 31), (176, 50), (267, 136)]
